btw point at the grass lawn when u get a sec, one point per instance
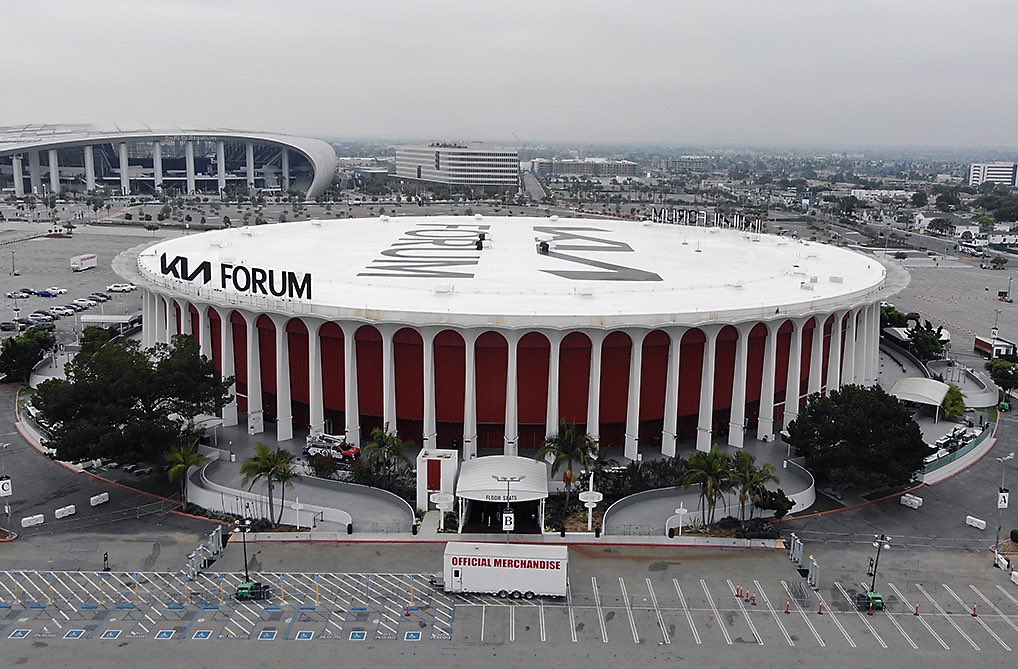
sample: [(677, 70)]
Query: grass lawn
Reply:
[(822, 503)]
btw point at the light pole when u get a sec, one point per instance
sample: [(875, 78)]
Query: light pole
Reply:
[(508, 480), (880, 541), (993, 333), (1001, 504), (243, 527)]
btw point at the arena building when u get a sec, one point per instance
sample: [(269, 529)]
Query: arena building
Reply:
[(138, 160), (487, 332)]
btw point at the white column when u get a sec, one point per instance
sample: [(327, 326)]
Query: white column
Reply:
[(632, 446), (594, 391), (189, 165), (669, 435), (388, 377), (551, 420), (430, 419), (254, 376), (284, 408), (816, 358), (157, 165), (765, 424), (164, 331), (204, 331), (286, 169), (704, 424), (54, 171), (793, 381), (185, 317), (874, 358), (250, 172), (148, 320), (352, 407), (316, 393), (848, 366), (125, 174), (89, 168), (737, 422), (226, 365), (19, 176), (834, 357), (35, 172), (221, 165), (470, 396), (861, 346), (512, 423)]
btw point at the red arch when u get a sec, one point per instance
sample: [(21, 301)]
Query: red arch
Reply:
[(614, 389), (492, 362), (653, 381), (574, 378), (369, 378), (408, 358), (533, 361), (240, 358), (450, 384), (330, 338), (267, 351), (297, 350)]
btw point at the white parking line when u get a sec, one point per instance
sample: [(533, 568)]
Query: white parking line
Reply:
[(745, 613), (689, 616), (600, 612), (820, 639), (717, 616), (541, 618), (512, 623), (977, 619), (774, 614), (629, 610), (921, 619), (993, 606), (947, 617), (836, 621), (484, 608), (572, 616), (657, 612)]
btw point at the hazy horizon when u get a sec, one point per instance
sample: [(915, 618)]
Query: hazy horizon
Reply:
[(780, 74)]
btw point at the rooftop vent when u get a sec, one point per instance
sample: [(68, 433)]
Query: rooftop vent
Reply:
[(806, 286), (478, 217), (384, 217), (585, 292), (837, 279), (445, 289)]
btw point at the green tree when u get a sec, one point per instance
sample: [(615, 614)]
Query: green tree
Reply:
[(19, 355), (892, 318), (859, 437), (712, 471), (924, 341), (920, 199), (569, 447), (123, 402), (750, 480), (152, 228), (1004, 374), (954, 402), (385, 447), (998, 262), (272, 467), (180, 459), (323, 466)]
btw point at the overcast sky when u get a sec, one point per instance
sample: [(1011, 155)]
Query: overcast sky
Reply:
[(684, 72)]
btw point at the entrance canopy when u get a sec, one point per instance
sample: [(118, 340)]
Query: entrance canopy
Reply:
[(921, 391), (477, 480)]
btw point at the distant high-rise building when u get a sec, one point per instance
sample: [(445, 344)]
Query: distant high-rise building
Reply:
[(687, 163), (459, 164), (998, 173), (594, 167)]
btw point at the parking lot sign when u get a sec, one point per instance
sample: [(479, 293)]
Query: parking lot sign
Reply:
[(1002, 498), (508, 521), (5, 486)]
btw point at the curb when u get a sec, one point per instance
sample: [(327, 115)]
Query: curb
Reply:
[(532, 543), (860, 505)]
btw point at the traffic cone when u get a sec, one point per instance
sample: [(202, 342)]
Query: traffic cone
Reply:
[(869, 611), (820, 611), (974, 614), (753, 599), (738, 591), (788, 606), (916, 609)]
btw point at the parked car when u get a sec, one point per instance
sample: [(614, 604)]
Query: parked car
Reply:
[(98, 297), (28, 291), (75, 307), (58, 290), (24, 322), (45, 293), (38, 317), (55, 312), (8, 326), (42, 325), (99, 292), (85, 302), (18, 295), (121, 287)]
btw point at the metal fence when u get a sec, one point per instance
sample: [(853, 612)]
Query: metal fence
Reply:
[(961, 452)]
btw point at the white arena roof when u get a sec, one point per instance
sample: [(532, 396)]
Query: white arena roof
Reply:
[(597, 273)]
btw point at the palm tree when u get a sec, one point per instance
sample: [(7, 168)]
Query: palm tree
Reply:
[(712, 472), (568, 447), (750, 479), (180, 459), (284, 477), (272, 466), (386, 446)]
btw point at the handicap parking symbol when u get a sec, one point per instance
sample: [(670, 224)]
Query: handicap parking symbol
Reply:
[(412, 636), (74, 634), (202, 634), (359, 635), (164, 634), (110, 634), (267, 635), (305, 635), (19, 634)]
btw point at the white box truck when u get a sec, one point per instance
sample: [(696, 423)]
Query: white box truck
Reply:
[(506, 570), (83, 262)]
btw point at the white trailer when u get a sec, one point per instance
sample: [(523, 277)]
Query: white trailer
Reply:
[(506, 570), (83, 262)]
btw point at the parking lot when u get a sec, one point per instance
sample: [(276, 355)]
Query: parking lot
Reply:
[(608, 612)]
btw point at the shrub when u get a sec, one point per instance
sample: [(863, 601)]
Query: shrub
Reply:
[(1014, 535)]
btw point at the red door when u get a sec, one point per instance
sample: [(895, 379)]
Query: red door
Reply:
[(434, 474)]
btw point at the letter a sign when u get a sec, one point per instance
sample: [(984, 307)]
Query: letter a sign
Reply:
[(1002, 498), (508, 522)]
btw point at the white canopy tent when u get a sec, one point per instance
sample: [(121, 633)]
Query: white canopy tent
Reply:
[(502, 478), (921, 391)]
